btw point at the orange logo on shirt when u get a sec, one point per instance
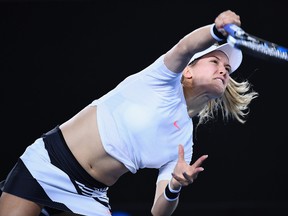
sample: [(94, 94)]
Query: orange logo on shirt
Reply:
[(176, 125)]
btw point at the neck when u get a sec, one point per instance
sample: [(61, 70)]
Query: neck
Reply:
[(195, 100)]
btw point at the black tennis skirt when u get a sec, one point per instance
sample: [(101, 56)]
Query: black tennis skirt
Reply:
[(47, 173)]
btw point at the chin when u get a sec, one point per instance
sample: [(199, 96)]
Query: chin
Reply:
[(216, 93)]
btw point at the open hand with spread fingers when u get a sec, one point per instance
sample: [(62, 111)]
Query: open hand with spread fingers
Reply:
[(184, 173)]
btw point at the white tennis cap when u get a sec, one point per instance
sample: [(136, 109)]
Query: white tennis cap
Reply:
[(234, 55)]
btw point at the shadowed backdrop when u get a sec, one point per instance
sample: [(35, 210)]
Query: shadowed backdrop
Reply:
[(58, 56)]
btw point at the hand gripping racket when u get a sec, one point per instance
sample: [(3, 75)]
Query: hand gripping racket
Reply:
[(253, 45)]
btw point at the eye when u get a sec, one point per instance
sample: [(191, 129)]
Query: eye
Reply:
[(228, 69), (217, 62)]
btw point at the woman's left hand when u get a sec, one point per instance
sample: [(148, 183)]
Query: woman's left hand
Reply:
[(184, 173)]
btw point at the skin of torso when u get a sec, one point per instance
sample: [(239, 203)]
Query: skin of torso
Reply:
[(83, 139)]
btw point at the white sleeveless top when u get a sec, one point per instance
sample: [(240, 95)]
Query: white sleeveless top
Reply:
[(144, 119)]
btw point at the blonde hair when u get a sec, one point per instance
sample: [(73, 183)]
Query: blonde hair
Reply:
[(233, 104)]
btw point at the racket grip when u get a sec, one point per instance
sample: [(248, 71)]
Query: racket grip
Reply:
[(234, 30)]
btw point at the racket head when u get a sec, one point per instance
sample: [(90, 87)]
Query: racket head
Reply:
[(255, 46), (260, 49)]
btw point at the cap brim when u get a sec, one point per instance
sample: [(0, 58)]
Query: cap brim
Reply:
[(234, 55)]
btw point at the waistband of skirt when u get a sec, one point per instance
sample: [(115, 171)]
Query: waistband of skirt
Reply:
[(62, 157)]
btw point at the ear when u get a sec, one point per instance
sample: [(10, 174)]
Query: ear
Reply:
[(187, 73)]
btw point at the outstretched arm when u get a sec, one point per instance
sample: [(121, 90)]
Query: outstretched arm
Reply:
[(177, 58), (166, 200)]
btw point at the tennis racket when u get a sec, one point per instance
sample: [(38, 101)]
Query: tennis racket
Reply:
[(255, 46)]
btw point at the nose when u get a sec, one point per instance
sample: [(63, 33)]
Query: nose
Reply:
[(223, 70)]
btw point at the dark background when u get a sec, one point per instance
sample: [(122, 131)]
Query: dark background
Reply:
[(58, 56)]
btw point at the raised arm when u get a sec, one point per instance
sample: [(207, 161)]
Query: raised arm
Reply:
[(177, 58)]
